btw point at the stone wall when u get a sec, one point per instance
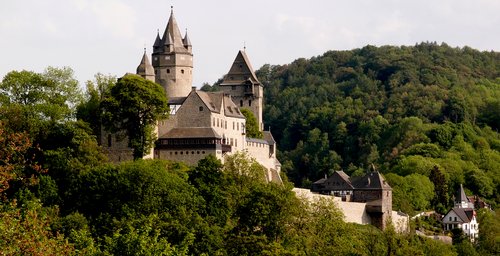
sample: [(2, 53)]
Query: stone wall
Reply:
[(264, 154), (355, 212), (188, 156)]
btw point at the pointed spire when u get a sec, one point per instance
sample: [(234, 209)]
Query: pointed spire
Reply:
[(158, 39), (145, 68), (461, 198), (186, 40), (167, 38), (172, 34)]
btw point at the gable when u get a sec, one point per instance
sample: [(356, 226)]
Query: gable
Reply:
[(241, 70), (462, 215)]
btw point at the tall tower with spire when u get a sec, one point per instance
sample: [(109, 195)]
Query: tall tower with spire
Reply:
[(173, 60), (244, 87)]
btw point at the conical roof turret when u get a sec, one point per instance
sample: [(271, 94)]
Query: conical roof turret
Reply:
[(145, 68), (460, 196), (157, 44), (461, 199), (172, 34), (186, 40), (167, 39)]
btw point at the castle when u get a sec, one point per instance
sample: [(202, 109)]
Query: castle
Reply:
[(371, 189), (201, 123)]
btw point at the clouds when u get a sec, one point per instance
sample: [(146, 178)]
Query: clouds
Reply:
[(116, 16), (108, 36)]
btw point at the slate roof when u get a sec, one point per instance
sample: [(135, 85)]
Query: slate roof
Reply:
[(214, 102), (186, 41), (338, 181), (372, 180), (240, 69), (145, 67), (460, 196), (176, 100), (157, 40), (172, 34), (256, 140), (465, 214), (267, 136), (191, 132), (320, 181)]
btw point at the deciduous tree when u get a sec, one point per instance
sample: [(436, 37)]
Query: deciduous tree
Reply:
[(134, 105)]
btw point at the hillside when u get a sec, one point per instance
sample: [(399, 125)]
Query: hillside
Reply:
[(406, 109), (427, 116)]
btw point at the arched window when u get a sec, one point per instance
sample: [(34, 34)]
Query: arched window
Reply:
[(241, 103), (182, 71), (168, 71), (249, 103)]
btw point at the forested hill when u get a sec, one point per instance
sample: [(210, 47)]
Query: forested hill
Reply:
[(406, 109)]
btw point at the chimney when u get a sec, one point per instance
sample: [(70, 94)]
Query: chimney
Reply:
[(193, 88)]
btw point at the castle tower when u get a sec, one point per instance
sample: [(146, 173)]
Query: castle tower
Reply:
[(145, 69), (173, 60), (376, 192), (244, 87)]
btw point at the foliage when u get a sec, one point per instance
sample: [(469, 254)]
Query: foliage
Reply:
[(489, 230), (134, 105), (252, 127), (51, 95), (411, 193), (405, 109), (90, 109), (26, 231), (16, 163), (426, 115)]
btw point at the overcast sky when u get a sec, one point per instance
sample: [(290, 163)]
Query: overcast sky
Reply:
[(108, 36)]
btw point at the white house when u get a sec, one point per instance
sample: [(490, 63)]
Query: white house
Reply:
[(462, 216)]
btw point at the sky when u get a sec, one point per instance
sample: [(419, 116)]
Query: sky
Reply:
[(109, 36)]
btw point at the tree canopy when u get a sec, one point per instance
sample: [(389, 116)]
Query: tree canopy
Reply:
[(405, 109), (134, 105)]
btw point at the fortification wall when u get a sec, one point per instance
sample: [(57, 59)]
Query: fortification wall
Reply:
[(188, 156), (355, 212)]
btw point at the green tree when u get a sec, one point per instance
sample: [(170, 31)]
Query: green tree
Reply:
[(29, 99), (252, 127), (17, 168), (134, 105), (90, 109), (441, 196), (489, 228), (27, 231)]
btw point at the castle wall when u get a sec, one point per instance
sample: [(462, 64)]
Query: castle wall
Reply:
[(400, 221), (190, 156), (263, 153), (116, 146), (355, 212)]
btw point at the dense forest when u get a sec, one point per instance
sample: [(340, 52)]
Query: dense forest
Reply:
[(416, 112), (426, 116)]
